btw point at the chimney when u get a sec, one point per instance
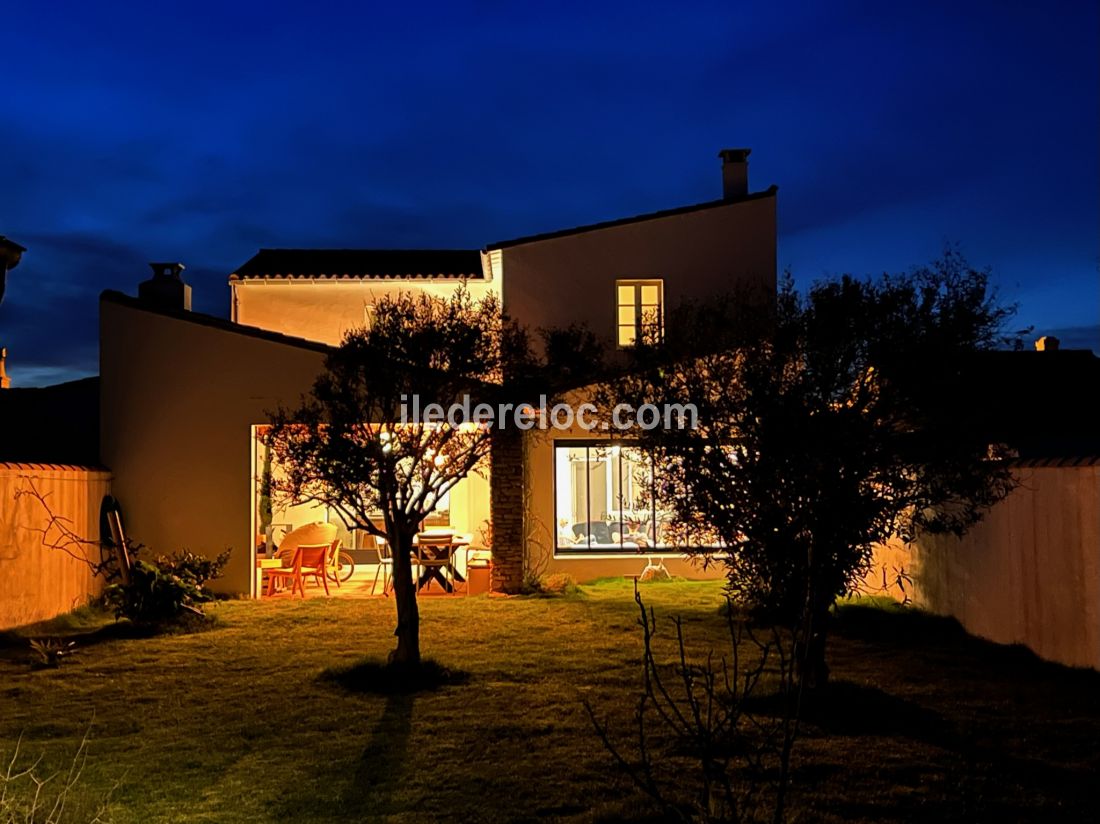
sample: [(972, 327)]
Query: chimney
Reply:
[(5, 381), (735, 173), (1047, 343), (166, 289)]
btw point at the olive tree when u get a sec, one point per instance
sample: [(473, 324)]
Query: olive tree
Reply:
[(347, 446), (829, 422)]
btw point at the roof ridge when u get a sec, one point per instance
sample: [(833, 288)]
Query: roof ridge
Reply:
[(362, 264), (214, 322), (771, 191)]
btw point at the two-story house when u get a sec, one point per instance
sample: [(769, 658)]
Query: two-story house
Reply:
[(182, 394)]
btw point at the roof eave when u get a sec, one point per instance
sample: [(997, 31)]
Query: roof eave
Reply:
[(771, 191)]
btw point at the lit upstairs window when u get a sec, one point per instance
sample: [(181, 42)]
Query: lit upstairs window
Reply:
[(639, 310)]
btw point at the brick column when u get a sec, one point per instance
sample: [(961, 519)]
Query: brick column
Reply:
[(506, 508)]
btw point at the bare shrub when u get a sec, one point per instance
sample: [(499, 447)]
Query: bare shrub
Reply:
[(713, 739), (28, 796)]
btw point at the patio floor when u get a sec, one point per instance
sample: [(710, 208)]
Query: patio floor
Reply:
[(361, 585)]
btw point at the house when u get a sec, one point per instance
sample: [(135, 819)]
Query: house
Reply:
[(182, 393)]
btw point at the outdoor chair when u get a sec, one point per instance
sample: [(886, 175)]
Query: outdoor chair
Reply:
[(384, 568), (313, 534), (435, 558), (310, 561)]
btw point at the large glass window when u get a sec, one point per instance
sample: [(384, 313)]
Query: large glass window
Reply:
[(639, 309), (604, 499)]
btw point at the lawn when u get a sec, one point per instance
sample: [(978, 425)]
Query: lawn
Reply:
[(238, 724)]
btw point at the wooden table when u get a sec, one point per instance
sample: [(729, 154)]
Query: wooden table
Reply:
[(437, 552)]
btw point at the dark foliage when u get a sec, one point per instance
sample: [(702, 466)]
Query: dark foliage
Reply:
[(826, 426), (345, 446)]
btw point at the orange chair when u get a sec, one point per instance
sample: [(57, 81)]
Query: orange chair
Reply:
[(333, 560), (309, 561)]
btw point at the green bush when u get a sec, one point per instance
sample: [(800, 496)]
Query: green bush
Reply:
[(163, 591), (194, 569)]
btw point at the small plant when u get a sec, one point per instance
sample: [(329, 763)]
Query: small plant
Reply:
[(51, 651), (165, 590), (556, 583), (559, 583)]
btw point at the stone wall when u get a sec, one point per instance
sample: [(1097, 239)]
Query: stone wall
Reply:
[(506, 504)]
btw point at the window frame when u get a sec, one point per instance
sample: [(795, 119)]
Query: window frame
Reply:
[(588, 550), (638, 307)]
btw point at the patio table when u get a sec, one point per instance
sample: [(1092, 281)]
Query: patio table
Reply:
[(437, 552)]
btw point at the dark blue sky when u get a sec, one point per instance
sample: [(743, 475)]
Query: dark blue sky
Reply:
[(202, 131)]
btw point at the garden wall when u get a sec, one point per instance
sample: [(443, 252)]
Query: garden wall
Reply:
[(1029, 573), (37, 581)]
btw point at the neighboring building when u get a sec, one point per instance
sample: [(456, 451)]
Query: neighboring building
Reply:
[(182, 393)]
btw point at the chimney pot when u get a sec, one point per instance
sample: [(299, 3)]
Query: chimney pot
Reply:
[(735, 173), (166, 289), (1047, 343)]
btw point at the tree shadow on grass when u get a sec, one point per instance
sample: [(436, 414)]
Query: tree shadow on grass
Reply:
[(381, 773), (934, 641), (385, 763), (372, 677), (850, 709), (844, 708)]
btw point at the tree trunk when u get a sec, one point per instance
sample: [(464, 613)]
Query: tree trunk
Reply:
[(810, 656), (408, 613), (813, 671)]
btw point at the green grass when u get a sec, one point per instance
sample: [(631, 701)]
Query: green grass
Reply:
[(247, 723)]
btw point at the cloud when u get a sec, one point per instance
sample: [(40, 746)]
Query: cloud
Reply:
[(887, 127)]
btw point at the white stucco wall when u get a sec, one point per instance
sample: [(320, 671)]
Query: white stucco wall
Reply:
[(571, 279), (325, 310)]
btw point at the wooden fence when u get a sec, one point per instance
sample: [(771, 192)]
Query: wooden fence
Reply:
[(1029, 573), (39, 576)]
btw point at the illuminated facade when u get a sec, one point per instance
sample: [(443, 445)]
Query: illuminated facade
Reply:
[(182, 393)]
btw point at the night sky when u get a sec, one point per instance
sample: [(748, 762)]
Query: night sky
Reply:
[(202, 131)]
